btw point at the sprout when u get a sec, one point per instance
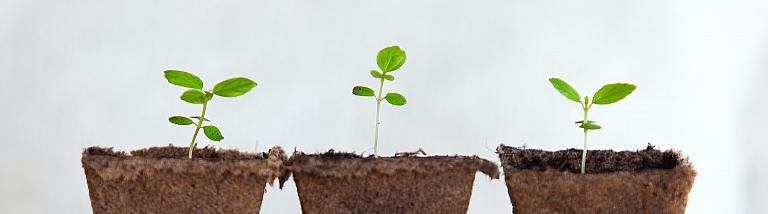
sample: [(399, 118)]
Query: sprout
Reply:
[(608, 94), (389, 59), (196, 95)]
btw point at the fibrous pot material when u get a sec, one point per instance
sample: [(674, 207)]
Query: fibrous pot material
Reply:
[(164, 180), (347, 183), (645, 181)]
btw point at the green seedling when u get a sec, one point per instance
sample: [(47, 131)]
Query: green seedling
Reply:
[(608, 94), (232, 87), (389, 59)]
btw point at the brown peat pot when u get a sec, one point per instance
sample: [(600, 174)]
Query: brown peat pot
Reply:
[(645, 181), (164, 180), (347, 183)]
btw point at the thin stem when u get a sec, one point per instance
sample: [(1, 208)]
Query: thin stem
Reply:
[(584, 151), (378, 109), (197, 130)]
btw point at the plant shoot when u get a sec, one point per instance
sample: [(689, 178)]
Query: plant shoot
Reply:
[(389, 59), (195, 94), (608, 94)]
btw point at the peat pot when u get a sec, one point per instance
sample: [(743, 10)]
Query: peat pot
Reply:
[(348, 183), (645, 181), (164, 180)]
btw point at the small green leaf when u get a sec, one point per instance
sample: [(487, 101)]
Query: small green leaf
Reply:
[(390, 58), (180, 120), (198, 117), (389, 77), (612, 93), (565, 89), (363, 91), (183, 79), (195, 96), (590, 126), (212, 133), (581, 121), (234, 87), (376, 74), (395, 99)]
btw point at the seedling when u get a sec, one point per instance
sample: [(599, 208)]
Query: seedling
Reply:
[(608, 94), (389, 59), (232, 87)]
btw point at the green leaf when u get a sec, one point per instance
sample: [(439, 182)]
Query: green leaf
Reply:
[(180, 120), (183, 79), (581, 121), (363, 91), (198, 117), (212, 133), (389, 77), (590, 126), (195, 96), (234, 87), (395, 99), (376, 74), (565, 89), (390, 58), (612, 93)]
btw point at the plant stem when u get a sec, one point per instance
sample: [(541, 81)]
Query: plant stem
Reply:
[(378, 109), (197, 130), (584, 151)]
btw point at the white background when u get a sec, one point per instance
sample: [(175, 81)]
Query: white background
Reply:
[(82, 73)]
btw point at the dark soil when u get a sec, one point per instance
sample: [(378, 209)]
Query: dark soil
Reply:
[(598, 161), (334, 182), (645, 181), (208, 153), (164, 180), (331, 154)]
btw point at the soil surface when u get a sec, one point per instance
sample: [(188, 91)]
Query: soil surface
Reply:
[(164, 180), (334, 182), (598, 161), (645, 181), (207, 153)]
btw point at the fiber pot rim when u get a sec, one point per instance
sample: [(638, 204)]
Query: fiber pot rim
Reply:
[(638, 161), (342, 164), (112, 165)]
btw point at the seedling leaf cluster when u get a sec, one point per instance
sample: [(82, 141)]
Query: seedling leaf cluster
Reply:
[(388, 59), (608, 94), (195, 94)]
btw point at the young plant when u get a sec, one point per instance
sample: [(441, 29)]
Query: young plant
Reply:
[(389, 59), (232, 87), (608, 94)]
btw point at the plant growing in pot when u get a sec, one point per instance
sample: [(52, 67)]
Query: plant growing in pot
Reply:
[(183, 180), (596, 181), (336, 182)]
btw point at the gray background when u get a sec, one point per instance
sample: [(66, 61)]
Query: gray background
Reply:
[(89, 72)]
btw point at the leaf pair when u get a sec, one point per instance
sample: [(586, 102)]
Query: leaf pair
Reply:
[(212, 132), (182, 120), (608, 94), (232, 87), (391, 98), (591, 125), (377, 75)]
